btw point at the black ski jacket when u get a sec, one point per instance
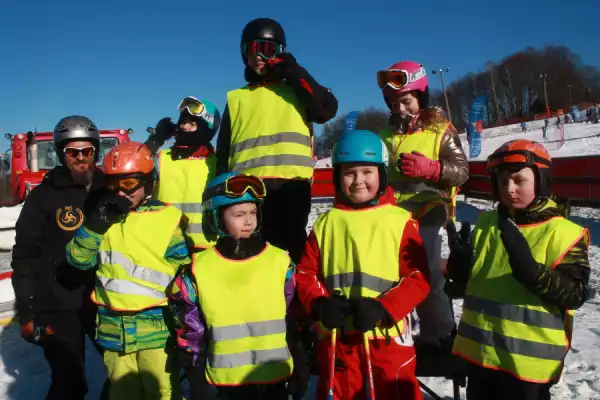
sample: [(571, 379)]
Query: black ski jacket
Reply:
[(52, 213)]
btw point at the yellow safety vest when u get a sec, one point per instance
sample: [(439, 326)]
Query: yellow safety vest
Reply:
[(360, 253), (505, 326), (270, 137), (133, 273), (244, 306), (415, 194), (181, 184)]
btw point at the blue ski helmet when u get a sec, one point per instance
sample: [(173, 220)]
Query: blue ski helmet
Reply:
[(212, 203), (361, 147)]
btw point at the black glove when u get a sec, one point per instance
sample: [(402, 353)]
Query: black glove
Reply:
[(283, 66), (524, 267), (109, 208), (331, 311), (164, 130), (368, 313), (461, 251)]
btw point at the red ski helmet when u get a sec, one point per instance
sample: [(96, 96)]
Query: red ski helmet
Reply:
[(519, 154), (404, 77)]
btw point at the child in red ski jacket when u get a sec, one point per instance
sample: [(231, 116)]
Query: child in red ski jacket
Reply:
[(361, 283)]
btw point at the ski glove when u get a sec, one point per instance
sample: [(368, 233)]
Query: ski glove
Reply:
[(368, 313), (165, 129), (417, 165), (284, 66), (109, 209), (331, 311), (523, 265), (460, 260)]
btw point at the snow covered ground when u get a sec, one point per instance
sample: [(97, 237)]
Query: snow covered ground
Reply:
[(580, 139), (24, 372)]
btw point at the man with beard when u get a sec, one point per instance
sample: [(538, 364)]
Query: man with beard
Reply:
[(53, 303)]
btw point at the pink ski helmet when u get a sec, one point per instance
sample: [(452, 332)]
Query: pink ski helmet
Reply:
[(404, 77)]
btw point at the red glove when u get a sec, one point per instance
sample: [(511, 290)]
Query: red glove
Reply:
[(417, 165)]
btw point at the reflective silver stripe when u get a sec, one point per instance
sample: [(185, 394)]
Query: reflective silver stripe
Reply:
[(188, 207), (251, 357), (194, 227), (269, 140), (250, 329), (271, 161), (127, 287), (513, 313), (512, 345), (136, 271), (359, 279)]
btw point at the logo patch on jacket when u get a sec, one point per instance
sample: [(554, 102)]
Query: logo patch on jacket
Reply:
[(69, 219)]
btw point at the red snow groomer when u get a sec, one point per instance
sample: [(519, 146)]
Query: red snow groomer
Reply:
[(33, 156)]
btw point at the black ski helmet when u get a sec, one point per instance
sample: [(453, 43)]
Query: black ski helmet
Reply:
[(262, 28)]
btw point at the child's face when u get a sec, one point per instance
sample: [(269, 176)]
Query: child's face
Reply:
[(405, 104), (188, 126), (259, 65), (517, 189), (241, 220), (136, 197), (360, 183)]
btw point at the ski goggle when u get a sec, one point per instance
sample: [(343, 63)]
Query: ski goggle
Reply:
[(519, 157), (237, 186), (267, 49), (128, 184), (193, 106), (73, 152), (398, 78)]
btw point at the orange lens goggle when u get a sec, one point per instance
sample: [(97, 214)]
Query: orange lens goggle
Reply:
[(397, 79), (237, 186), (127, 184)]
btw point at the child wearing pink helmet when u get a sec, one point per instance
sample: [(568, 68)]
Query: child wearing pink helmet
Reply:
[(427, 164)]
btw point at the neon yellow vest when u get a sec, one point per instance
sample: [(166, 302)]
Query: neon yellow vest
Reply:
[(133, 273), (269, 133), (360, 253), (181, 183), (415, 194), (505, 326), (244, 306)]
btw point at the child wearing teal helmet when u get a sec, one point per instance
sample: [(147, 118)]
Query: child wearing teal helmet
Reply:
[(184, 169), (363, 271), (238, 291)]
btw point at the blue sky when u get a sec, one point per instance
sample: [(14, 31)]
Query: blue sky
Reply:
[(127, 63)]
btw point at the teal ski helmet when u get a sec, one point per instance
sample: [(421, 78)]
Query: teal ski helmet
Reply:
[(228, 189), (361, 147)]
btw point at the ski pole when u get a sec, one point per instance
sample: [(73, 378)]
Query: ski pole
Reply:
[(332, 364), (369, 367)]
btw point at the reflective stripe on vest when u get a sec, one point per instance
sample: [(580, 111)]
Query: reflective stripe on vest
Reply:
[(414, 194), (244, 307), (505, 326), (269, 134), (366, 265), (181, 184), (133, 273)]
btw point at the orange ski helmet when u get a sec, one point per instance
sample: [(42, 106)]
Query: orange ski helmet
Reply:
[(518, 154), (128, 166)]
